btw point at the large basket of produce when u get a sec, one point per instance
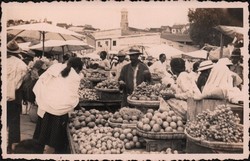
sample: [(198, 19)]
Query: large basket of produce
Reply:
[(108, 90), (148, 95), (161, 124), (89, 95), (125, 117), (217, 130), (97, 76), (146, 103)]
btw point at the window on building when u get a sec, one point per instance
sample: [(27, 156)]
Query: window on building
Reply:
[(99, 44), (107, 43), (114, 43)]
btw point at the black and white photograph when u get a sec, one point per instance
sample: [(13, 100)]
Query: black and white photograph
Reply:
[(95, 80)]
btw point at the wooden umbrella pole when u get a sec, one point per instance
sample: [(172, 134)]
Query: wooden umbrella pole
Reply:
[(43, 33), (221, 45)]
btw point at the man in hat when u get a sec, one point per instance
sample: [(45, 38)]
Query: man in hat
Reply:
[(16, 70), (204, 69), (133, 73), (236, 60), (121, 62)]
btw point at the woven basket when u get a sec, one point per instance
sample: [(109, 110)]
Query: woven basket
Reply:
[(96, 79), (109, 95), (160, 135), (216, 145), (143, 103), (121, 125)]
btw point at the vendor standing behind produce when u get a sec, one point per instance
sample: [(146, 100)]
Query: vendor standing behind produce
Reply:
[(121, 62), (133, 74), (160, 67), (56, 94), (104, 63)]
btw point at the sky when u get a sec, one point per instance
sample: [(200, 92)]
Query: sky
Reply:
[(101, 15)]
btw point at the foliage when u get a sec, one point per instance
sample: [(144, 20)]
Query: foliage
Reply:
[(202, 21)]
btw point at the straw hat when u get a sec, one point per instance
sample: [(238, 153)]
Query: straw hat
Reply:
[(207, 64), (134, 51), (12, 47), (225, 61)]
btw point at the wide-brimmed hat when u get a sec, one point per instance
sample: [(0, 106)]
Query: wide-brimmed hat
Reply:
[(150, 57), (225, 61), (207, 64), (12, 47), (134, 51), (121, 53)]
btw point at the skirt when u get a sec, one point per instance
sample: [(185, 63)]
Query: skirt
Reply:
[(51, 130)]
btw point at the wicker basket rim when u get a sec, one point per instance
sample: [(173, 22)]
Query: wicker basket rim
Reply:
[(116, 123), (212, 143), (107, 90), (139, 101)]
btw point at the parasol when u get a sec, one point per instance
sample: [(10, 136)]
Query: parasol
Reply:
[(156, 50), (43, 32), (62, 46)]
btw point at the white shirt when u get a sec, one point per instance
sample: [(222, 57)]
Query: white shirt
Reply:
[(159, 68), (16, 70), (55, 94)]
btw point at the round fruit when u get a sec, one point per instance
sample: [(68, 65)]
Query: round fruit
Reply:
[(134, 117), (152, 122), (87, 120), (149, 115), (137, 144), (150, 110), (129, 136), (91, 124), (122, 136), (179, 123), (165, 124), (168, 129), (134, 132), (171, 113), (135, 139), (92, 117), (181, 129), (169, 119), (156, 128), (174, 118), (140, 125), (87, 113), (173, 125), (159, 121), (145, 121), (116, 134), (128, 145), (146, 127)]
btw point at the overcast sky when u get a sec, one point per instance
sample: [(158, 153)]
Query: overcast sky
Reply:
[(101, 15)]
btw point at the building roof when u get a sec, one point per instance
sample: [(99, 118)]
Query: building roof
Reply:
[(176, 37), (178, 26)]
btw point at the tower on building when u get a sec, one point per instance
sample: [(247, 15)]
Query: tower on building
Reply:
[(124, 19)]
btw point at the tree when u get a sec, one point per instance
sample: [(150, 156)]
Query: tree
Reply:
[(203, 20)]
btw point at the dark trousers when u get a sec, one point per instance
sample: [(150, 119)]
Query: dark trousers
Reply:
[(13, 122)]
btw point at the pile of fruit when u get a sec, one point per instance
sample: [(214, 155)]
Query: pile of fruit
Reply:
[(108, 84), (88, 94), (126, 115), (161, 121), (149, 92), (97, 140), (83, 118), (129, 137), (96, 75), (84, 84), (218, 125)]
